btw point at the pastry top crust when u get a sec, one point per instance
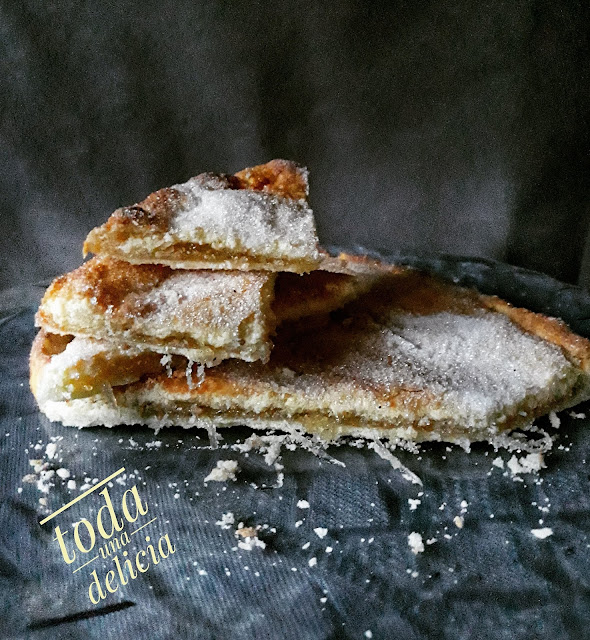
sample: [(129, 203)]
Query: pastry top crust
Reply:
[(256, 219), (278, 177), (417, 292), (575, 347)]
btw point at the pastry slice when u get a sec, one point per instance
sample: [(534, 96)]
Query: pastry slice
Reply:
[(73, 368), (257, 219), (414, 358), (207, 316)]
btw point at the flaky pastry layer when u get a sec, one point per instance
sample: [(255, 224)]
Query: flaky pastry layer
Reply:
[(206, 316)]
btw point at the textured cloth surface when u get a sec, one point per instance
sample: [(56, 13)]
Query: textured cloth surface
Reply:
[(490, 579)]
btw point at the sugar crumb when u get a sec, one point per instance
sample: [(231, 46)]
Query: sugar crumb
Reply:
[(554, 419), (531, 463), (414, 503), (227, 519)]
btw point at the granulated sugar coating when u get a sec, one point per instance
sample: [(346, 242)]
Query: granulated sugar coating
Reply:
[(470, 375), (244, 220)]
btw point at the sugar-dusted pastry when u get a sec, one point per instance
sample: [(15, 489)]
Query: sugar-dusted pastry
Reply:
[(257, 219), (413, 358), (207, 316)]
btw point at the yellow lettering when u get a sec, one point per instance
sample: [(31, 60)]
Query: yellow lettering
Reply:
[(139, 507), (121, 576), (115, 523), (90, 530), (100, 593), (171, 548), (138, 564), (132, 573), (107, 580), (151, 550), (64, 552)]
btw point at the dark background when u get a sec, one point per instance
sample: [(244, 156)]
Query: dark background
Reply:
[(459, 126)]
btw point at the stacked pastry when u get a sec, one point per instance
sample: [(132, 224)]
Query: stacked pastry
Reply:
[(210, 304)]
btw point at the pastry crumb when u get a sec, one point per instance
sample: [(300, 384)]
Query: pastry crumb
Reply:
[(542, 533), (415, 543), (531, 463), (224, 471), (227, 519)]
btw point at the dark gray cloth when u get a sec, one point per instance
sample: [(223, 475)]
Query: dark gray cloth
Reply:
[(458, 126), (490, 580)]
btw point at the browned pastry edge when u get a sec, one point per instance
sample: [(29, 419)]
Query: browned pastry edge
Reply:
[(575, 347), (108, 281)]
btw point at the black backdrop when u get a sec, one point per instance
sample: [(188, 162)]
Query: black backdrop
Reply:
[(458, 126)]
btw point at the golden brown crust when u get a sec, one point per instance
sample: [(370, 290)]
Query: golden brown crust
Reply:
[(109, 283), (152, 214), (279, 177)]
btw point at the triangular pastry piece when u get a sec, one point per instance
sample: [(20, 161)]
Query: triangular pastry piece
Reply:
[(415, 358), (257, 219)]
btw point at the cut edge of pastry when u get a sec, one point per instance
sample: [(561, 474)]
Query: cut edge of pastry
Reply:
[(109, 299), (107, 409)]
